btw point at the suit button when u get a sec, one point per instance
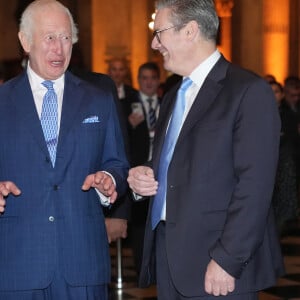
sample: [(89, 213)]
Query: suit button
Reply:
[(51, 219), (55, 187)]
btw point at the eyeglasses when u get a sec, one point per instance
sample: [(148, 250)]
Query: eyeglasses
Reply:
[(156, 33)]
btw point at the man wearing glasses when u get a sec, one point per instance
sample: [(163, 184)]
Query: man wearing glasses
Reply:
[(210, 229)]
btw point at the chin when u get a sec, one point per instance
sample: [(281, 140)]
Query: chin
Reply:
[(167, 66)]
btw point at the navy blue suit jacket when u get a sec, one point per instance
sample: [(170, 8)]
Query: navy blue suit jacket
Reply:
[(53, 223), (220, 184)]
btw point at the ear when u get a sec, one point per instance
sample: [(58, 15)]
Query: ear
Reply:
[(24, 40), (191, 30)]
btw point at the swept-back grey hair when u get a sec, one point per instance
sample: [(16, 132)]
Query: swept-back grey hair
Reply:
[(27, 19), (201, 11)]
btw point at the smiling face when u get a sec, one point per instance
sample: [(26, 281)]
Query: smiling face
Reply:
[(50, 45), (170, 43), (181, 41)]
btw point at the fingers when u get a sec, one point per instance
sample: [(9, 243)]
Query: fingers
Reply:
[(88, 182), (218, 281), (103, 183), (96, 180), (141, 180), (6, 188), (2, 205), (218, 288), (113, 197)]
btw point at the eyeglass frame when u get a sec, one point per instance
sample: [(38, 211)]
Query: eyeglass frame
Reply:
[(155, 33)]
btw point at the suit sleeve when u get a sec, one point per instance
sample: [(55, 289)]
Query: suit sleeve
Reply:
[(255, 141), (121, 209)]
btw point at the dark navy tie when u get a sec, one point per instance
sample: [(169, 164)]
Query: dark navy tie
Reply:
[(49, 119), (151, 114), (167, 152)]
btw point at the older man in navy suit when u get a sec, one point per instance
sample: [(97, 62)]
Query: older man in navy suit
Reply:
[(210, 229), (61, 157)]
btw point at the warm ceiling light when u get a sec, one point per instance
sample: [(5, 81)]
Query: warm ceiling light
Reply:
[(151, 23)]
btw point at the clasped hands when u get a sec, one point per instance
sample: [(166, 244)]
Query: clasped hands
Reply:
[(141, 180)]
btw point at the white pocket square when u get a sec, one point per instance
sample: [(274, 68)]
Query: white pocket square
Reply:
[(92, 119)]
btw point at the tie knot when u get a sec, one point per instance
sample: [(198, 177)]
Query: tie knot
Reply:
[(186, 83), (48, 84), (150, 101)]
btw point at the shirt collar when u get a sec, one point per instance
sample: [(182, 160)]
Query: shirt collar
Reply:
[(144, 97), (36, 81), (200, 73)]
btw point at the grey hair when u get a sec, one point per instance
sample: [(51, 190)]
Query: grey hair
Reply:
[(201, 11), (27, 18)]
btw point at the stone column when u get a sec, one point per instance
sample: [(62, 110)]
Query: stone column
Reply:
[(294, 43), (276, 38), (139, 33), (111, 32), (224, 10)]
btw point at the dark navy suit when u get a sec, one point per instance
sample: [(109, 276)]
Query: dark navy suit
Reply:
[(220, 184), (53, 223)]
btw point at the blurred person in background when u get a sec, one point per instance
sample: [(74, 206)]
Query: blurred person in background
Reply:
[(285, 195), (290, 117)]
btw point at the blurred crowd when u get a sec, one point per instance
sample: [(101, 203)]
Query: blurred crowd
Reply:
[(286, 190)]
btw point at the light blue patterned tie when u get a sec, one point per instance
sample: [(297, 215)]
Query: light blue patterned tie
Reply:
[(167, 152), (49, 119)]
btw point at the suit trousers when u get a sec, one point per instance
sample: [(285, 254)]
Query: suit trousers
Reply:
[(59, 290), (165, 287)]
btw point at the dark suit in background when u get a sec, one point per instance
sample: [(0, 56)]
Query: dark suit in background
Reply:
[(138, 135)]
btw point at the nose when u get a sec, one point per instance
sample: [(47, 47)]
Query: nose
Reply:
[(58, 45), (155, 43)]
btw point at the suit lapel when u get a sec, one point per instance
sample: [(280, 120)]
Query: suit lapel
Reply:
[(27, 114), (205, 97), (72, 100), (23, 100)]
